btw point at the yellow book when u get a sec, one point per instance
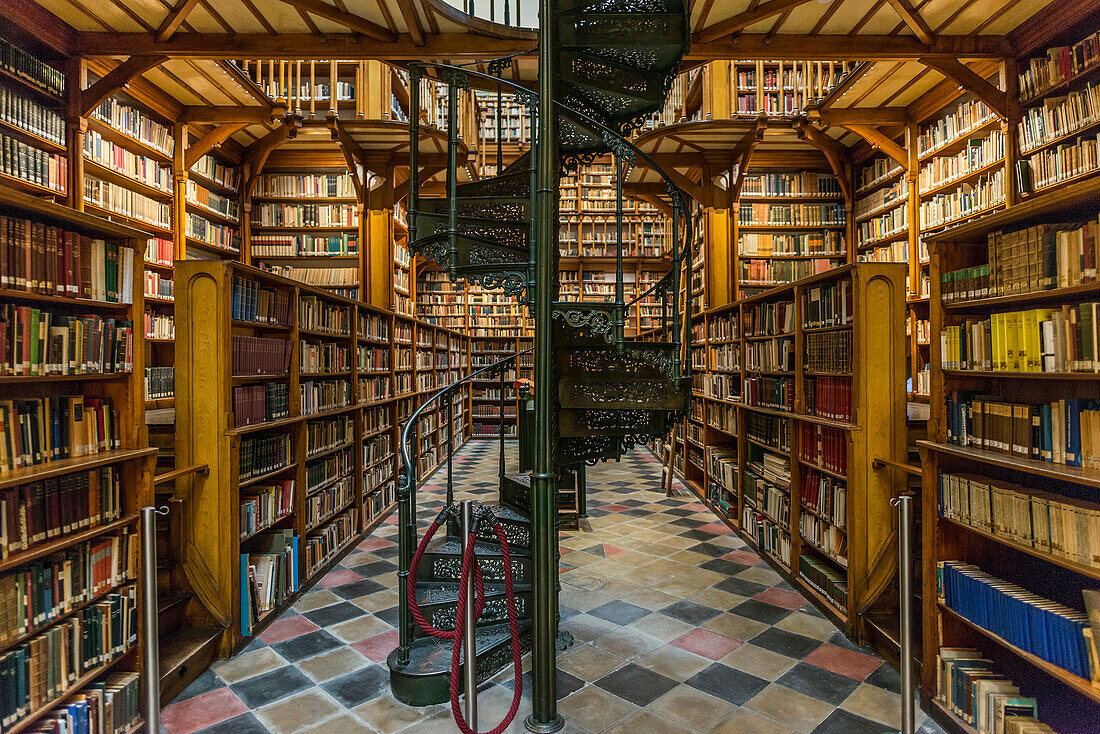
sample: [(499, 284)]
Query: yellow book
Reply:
[(1011, 327), (998, 327)]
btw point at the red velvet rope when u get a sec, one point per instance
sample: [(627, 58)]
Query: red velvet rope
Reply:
[(479, 599)]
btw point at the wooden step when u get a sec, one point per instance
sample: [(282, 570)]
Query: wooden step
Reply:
[(185, 652), (884, 635), (170, 612)]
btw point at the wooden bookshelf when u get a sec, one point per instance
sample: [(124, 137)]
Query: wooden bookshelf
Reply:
[(732, 443), (355, 373), (128, 463)]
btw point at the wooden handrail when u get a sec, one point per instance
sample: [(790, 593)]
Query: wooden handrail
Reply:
[(200, 469), (909, 468)]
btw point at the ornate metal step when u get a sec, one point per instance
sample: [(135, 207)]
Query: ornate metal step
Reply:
[(613, 422), (426, 679), (621, 392), (636, 359), (443, 562), (653, 41), (438, 601), (619, 89), (516, 183), (476, 210)]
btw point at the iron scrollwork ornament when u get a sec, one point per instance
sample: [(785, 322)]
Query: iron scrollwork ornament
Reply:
[(596, 322), (455, 78)]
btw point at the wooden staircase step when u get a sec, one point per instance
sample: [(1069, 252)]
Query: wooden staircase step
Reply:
[(185, 653)]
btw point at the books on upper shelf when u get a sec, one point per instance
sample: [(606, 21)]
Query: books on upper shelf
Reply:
[(979, 153), (40, 343), (254, 302), (968, 115), (136, 124), (305, 245), (211, 169), (253, 404), (1061, 525), (25, 113), (828, 304), (27, 163), (790, 215), (889, 224), (1059, 65), (264, 454), (794, 185), (214, 234), (809, 243), (135, 166), (779, 272), (40, 430), (829, 397), (319, 277), (257, 356), (121, 200), (33, 70), (160, 383), (829, 351), (1038, 340), (969, 686), (263, 505), (986, 192), (203, 198), (305, 215), (1016, 615), (882, 198), (38, 511), (159, 287), (1058, 117), (268, 575), (823, 447), (878, 170)]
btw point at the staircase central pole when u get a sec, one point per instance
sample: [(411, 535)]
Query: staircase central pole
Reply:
[(544, 715)]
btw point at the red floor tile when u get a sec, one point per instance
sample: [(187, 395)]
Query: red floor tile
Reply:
[(845, 662), (374, 544), (613, 508), (199, 712), (782, 598), (339, 578), (378, 648), (718, 528), (287, 628), (747, 558), (695, 507), (706, 643), (612, 550)]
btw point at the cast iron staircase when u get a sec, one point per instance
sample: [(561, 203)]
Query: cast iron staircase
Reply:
[(615, 64)]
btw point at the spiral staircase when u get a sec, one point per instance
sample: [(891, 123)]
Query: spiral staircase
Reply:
[(615, 62)]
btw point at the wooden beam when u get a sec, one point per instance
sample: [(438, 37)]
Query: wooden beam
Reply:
[(208, 142), (116, 79), (745, 19), (260, 151), (944, 93), (835, 153), (353, 155), (913, 19), (351, 21), (857, 115), (250, 115), (846, 83), (48, 28), (175, 19), (877, 138), (798, 47), (412, 20), (954, 69), (1051, 22), (251, 88), (656, 201), (751, 140)]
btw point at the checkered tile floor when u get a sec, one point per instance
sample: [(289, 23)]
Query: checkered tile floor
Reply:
[(679, 627)]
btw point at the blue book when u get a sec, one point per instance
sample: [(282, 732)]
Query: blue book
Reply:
[(1046, 445), (1073, 432), (246, 595)]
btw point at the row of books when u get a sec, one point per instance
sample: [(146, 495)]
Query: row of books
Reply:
[(269, 575), (880, 198), (108, 706), (828, 397), (827, 351), (159, 326), (322, 505), (305, 184), (771, 355), (885, 225), (725, 356), (724, 387), (764, 391), (1062, 162), (254, 404), (38, 343), (209, 168), (877, 171), (121, 200), (263, 454), (40, 430), (774, 540), (1059, 65), (39, 511), (722, 466), (768, 499), (136, 124), (968, 685), (1059, 116), (214, 234), (1052, 523), (966, 117), (770, 430), (305, 245), (1062, 432), (770, 318), (252, 301), (25, 113), (778, 272), (979, 153), (160, 383), (373, 359), (809, 243), (32, 69), (323, 357), (325, 435), (790, 214), (321, 395), (1051, 631), (132, 165), (305, 215), (264, 504), (44, 259), (825, 579), (317, 315), (722, 328), (36, 594), (985, 193), (43, 668), (805, 183), (320, 277), (827, 305), (203, 198), (160, 251), (827, 538), (327, 469), (825, 496), (1036, 340), (33, 165), (823, 447), (257, 355)]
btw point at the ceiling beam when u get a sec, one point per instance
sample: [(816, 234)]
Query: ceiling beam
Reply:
[(750, 141), (867, 115), (412, 21), (880, 140), (745, 19), (221, 115), (351, 21), (116, 79), (251, 88), (849, 80), (966, 77), (260, 151), (353, 154), (1052, 21), (835, 153), (208, 142), (48, 28), (175, 19), (797, 47), (913, 19)]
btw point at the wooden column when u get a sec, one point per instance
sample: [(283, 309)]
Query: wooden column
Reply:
[(76, 127), (181, 139), (1010, 83), (376, 241), (720, 258)]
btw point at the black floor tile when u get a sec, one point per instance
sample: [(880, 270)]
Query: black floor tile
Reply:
[(885, 677), (205, 683), (842, 722), (356, 589), (727, 683), (374, 568), (387, 552), (690, 612), (786, 643), (359, 687), (339, 612), (243, 724), (566, 684), (741, 587), (619, 612), (728, 568), (306, 645), (761, 611), (841, 640), (709, 549), (636, 684), (389, 616), (700, 535), (270, 687), (824, 685)]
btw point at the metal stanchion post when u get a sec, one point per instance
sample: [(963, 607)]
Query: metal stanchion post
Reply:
[(904, 503), (469, 669), (151, 649)]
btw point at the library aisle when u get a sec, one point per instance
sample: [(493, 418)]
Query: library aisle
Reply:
[(678, 628)]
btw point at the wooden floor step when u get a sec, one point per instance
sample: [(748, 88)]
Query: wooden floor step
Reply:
[(185, 653), (884, 634), (170, 611)]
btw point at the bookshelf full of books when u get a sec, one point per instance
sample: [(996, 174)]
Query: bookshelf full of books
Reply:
[(75, 469), (304, 225), (1011, 465), (795, 391), (790, 225), (32, 127), (294, 397)]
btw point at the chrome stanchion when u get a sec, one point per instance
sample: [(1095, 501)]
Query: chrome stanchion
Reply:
[(469, 643), (904, 503), (150, 683)]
